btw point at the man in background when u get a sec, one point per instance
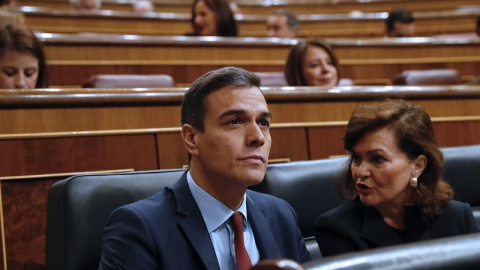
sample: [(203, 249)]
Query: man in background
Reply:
[(400, 23), (282, 23)]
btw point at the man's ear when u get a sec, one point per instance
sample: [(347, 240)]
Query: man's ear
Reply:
[(188, 134), (420, 163)]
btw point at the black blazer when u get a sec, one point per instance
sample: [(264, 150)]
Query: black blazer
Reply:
[(354, 227), (167, 231)]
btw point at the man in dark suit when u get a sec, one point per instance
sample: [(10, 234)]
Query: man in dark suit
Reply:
[(225, 128)]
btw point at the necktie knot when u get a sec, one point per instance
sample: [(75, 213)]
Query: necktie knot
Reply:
[(241, 254)]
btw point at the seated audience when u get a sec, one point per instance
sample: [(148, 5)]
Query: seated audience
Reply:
[(86, 4), (208, 219), (213, 18), (393, 184), (312, 63), (22, 61), (282, 23), (400, 23), (143, 6)]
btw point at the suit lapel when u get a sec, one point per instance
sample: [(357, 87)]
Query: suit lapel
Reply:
[(193, 225), (264, 238)]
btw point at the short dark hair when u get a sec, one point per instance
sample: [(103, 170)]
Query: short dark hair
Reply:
[(398, 15), (414, 134), (193, 105), (19, 38), (294, 66), (292, 20), (226, 24)]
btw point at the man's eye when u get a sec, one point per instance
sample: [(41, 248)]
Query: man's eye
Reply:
[(265, 123), (235, 121)]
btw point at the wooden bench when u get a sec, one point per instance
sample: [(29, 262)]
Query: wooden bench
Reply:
[(60, 131), (259, 7), (73, 58), (312, 25)]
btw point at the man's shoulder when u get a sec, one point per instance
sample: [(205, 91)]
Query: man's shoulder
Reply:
[(265, 199), (162, 201)]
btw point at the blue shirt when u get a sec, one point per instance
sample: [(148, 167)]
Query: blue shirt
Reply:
[(217, 218)]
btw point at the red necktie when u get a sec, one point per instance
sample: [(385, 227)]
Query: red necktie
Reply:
[(241, 254)]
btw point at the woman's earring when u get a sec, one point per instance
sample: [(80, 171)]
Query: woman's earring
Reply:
[(414, 197)]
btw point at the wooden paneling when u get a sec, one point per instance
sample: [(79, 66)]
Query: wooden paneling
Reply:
[(260, 7), (326, 141), (74, 58), (289, 143), (313, 25), (171, 151), (76, 154), (24, 213)]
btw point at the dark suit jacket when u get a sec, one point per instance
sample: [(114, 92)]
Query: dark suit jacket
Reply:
[(167, 231), (354, 227)]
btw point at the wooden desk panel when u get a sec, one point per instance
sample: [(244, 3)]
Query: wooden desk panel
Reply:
[(260, 8), (308, 124), (42, 111), (316, 25), (187, 58)]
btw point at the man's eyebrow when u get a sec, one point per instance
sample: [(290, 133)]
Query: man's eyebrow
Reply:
[(264, 114)]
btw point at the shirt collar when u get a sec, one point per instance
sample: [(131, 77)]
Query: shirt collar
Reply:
[(214, 212)]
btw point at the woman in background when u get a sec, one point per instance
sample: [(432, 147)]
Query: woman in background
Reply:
[(213, 18), (312, 63), (393, 184), (22, 61)]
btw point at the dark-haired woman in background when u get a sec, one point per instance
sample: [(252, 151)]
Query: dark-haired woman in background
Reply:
[(312, 62), (393, 184), (213, 18), (22, 61)]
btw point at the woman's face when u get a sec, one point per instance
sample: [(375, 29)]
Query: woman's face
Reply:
[(18, 71), (205, 20), (318, 68), (381, 170)]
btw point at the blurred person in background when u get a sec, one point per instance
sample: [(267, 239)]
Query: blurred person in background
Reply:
[(22, 60), (400, 23), (213, 18), (282, 23), (312, 62)]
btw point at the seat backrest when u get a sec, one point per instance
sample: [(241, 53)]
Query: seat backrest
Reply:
[(462, 172), (308, 186), (128, 81), (78, 208), (270, 79), (458, 252), (428, 77), (74, 231)]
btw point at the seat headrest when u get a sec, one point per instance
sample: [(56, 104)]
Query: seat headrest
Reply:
[(128, 81), (428, 77), (270, 79)]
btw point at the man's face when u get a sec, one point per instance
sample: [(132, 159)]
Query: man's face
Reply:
[(402, 30), (277, 26), (233, 149)]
